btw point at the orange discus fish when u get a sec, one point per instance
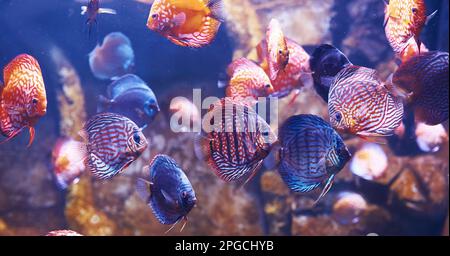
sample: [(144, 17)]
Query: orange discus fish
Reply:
[(405, 19), (23, 98), (189, 23), (247, 80)]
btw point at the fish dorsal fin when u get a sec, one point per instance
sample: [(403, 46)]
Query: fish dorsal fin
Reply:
[(143, 188), (196, 5), (217, 9), (325, 190), (168, 198), (179, 19), (430, 17)]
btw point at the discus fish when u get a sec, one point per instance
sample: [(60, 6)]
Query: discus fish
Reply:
[(277, 49), (112, 59), (111, 143), (92, 10), (23, 99), (405, 19), (236, 141), (66, 163), (423, 83), (292, 75), (167, 190), (191, 23), (311, 153), (326, 61), (247, 80), (130, 96), (359, 104)]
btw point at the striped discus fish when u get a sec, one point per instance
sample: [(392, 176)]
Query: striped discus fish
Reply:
[(111, 143), (359, 104), (311, 153), (237, 143), (404, 20), (423, 80), (23, 98), (192, 23)]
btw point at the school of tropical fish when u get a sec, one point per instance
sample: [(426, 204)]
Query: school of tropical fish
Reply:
[(308, 151)]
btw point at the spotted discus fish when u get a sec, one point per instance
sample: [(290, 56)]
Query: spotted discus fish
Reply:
[(237, 141), (423, 81), (404, 20), (192, 23), (247, 80), (277, 49), (167, 190), (290, 77), (23, 98), (111, 143), (359, 104), (311, 153)]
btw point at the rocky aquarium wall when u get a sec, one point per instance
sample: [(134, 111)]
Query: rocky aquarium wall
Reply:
[(408, 197)]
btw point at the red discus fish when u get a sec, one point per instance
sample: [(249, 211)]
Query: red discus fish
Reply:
[(247, 80), (290, 78), (192, 23), (277, 49), (237, 142), (405, 19), (23, 98)]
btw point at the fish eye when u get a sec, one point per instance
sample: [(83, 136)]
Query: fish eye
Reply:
[(268, 85), (415, 10), (137, 138), (155, 16), (338, 117), (34, 101), (184, 194), (280, 52)]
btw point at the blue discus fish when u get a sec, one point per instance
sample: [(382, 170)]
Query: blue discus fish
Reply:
[(167, 190), (112, 59), (311, 153), (326, 61), (130, 96)]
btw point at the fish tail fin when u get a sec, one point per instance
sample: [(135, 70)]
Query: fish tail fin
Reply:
[(32, 132), (143, 189), (201, 147), (430, 17), (217, 9), (325, 190), (103, 103), (84, 10), (107, 11)]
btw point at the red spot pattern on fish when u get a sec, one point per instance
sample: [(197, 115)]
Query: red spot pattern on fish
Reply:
[(404, 20), (247, 80), (23, 98), (360, 104)]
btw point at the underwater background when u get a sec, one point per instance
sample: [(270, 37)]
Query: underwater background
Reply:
[(410, 199)]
